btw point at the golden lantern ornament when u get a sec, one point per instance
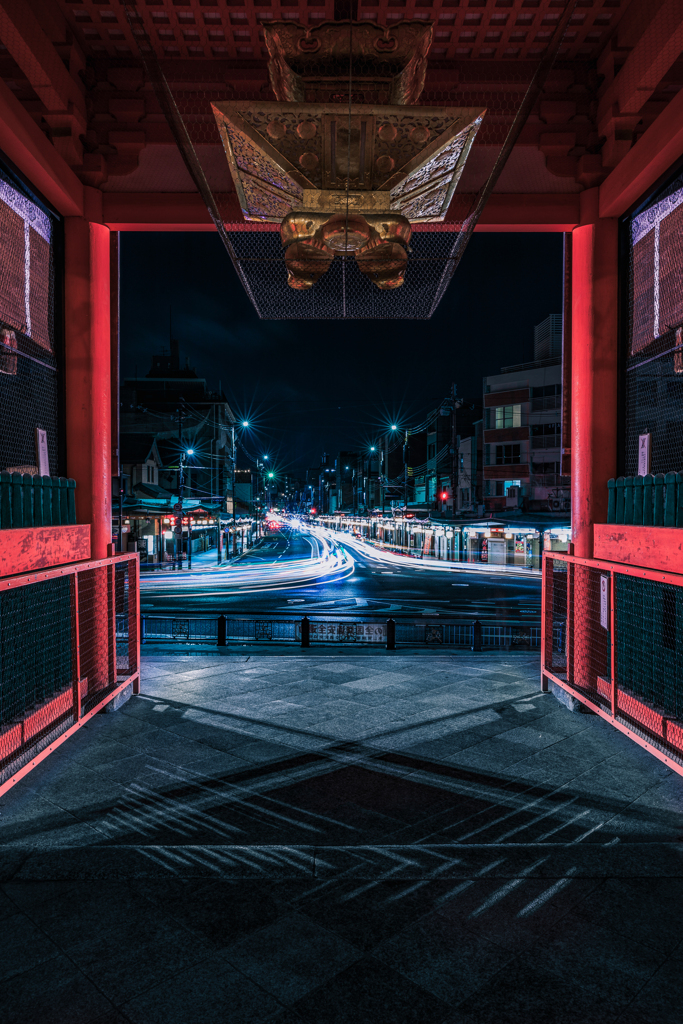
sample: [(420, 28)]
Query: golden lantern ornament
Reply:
[(339, 176)]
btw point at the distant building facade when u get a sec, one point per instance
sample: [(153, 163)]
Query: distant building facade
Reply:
[(164, 415), (523, 431), (469, 498)]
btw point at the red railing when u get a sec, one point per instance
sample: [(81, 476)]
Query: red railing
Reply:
[(612, 637), (69, 644)]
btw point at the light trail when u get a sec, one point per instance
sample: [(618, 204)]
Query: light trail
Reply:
[(332, 563), (406, 561)]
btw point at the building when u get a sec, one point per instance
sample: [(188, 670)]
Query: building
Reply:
[(523, 430), (173, 413), (345, 474), (470, 478)]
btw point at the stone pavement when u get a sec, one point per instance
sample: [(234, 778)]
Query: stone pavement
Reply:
[(343, 839)]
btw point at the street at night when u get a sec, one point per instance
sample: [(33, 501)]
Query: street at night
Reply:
[(369, 587)]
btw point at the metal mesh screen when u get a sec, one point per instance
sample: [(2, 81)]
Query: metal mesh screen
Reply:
[(94, 601), (124, 647), (649, 637), (29, 380), (654, 336), (343, 292), (30, 671), (580, 652)]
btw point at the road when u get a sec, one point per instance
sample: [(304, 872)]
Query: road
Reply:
[(362, 587)]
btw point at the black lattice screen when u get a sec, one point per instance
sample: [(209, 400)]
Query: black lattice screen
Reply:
[(29, 384), (654, 336)]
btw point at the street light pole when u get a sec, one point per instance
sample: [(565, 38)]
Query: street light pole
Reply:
[(234, 500)]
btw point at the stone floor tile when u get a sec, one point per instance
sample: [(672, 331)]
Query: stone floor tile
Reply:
[(54, 991), (521, 993), (120, 940), (370, 992), (291, 957), (24, 946), (222, 912), (209, 991), (443, 957)]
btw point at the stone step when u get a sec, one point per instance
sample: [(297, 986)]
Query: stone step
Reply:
[(404, 863)]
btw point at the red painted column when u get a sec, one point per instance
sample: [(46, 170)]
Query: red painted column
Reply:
[(594, 371), (88, 428), (88, 375), (594, 420)]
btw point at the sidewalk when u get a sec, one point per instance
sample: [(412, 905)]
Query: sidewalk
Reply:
[(337, 839)]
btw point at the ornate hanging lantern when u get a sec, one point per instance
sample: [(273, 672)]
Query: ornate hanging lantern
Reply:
[(344, 161)]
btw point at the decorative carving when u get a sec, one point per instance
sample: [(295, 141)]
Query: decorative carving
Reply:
[(378, 241), (362, 150), (339, 202), (304, 60)]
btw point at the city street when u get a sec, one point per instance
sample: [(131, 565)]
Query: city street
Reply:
[(273, 578)]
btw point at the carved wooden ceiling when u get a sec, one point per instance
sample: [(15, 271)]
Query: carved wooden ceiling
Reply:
[(464, 30), (75, 66)]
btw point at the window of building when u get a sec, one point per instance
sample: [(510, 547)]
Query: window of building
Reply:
[(508, 454), (431, 451), (508, 416), (544, 429)]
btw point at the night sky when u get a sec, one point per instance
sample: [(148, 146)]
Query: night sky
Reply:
[(308, 386)]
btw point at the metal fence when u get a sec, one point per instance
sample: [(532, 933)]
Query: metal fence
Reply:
[(225, 630), (68, 645), (617, 646)]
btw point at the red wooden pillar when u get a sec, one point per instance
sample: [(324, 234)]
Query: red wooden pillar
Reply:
[(594, 371), (594, 414), (88, 375), (88, 424)]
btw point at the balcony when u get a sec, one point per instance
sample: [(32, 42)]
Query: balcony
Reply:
[(502, 434), (518, 471), (546, 403), (546, 441)]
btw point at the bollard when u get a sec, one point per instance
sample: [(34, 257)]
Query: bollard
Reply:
[(142, 629), (305, 631), (391, 634), (222, 631), (476, 636)]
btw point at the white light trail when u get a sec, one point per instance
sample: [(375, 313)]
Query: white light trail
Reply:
[(330, 564)]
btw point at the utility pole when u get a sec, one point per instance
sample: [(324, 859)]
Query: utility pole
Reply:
[(454, 450), (178, 529), (178, 508), (234, 501), (406, 456)]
